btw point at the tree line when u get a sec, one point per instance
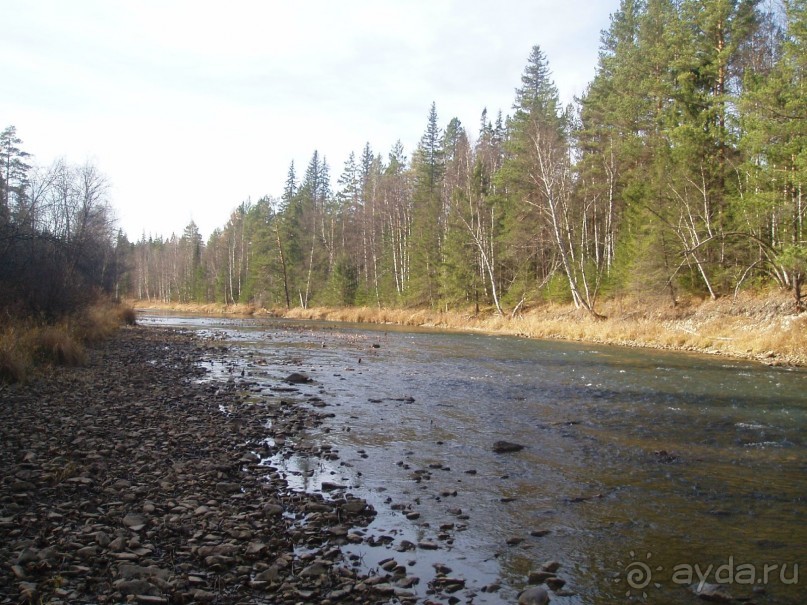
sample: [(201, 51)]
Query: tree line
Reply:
[(680, 171), (58, 248)]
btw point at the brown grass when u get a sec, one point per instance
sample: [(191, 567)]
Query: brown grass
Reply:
[(126, 314), (194, 308), (758, 327), (761, 326), (100, 321), (25, 344), (15, 358), (56, 345)]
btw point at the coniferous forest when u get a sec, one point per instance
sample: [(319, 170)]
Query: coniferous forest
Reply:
[(679, 172)]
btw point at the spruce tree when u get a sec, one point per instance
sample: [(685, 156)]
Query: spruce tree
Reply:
[(774, 108), (13, 172), (427, 217)]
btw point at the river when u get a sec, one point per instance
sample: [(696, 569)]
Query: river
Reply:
[(644, 472)]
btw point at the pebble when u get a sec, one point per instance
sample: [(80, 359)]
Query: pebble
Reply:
[(141, 484)]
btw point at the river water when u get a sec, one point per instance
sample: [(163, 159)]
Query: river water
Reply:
[(644, 472)]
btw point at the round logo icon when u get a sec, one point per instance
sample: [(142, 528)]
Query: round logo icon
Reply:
[(638, 575)]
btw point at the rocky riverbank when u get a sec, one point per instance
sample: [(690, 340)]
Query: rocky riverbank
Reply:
[(129, 480)]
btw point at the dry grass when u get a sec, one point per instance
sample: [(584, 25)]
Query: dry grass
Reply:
[(126, 314), (100, 321), (15, 358), (759, 326), (25, 344), (194, 308), (57, 345)]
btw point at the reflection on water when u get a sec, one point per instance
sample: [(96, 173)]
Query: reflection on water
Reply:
[(666, 463)]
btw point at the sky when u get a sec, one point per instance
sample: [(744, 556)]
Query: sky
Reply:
[(191, 107)]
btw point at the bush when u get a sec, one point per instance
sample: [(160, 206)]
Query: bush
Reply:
[(15, 359), (99, 321), (55, 344), (25, 343), (127, 315)]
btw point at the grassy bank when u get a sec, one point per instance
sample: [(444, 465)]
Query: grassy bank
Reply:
[(761, 327), (27, 343)]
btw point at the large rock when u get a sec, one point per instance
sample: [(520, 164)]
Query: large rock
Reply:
[(505, 447), (534, 595), (297, 378)]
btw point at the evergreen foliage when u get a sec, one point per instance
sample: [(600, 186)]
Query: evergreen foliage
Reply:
[(681, 170)]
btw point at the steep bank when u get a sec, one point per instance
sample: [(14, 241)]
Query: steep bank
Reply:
[(761, 327)]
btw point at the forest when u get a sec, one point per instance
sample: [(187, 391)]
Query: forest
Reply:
[(679, 172), (58, 252)]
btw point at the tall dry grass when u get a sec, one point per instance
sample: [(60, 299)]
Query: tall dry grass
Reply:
[(15, 357), (761, 326), (195, 308), (56, 345), (26, 344), (99, 321)]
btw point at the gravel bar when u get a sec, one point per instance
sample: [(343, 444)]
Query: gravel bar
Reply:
[(130, 480)]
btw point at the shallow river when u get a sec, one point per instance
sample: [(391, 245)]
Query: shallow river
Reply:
[(644, 472)]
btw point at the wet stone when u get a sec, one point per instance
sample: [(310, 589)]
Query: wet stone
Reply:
[(534, 595), (504, 447), (149, 489)]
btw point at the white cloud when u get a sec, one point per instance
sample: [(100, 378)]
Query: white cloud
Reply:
[(191, 107)]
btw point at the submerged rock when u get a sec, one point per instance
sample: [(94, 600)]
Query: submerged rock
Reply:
[(505, 447), (297, 378)]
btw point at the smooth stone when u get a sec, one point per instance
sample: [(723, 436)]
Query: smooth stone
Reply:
[(272, 510), (314, 570), (555, 583), (148, 599), (269, 575), (716, 593), (254, 548), (134, 521), (136, 587), (552, 566), (87, 552), (539, 577), (534, 595), (203, 596)]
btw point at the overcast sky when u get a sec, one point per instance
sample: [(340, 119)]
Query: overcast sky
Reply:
[(191, 107)]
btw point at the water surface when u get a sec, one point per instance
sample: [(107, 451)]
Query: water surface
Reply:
[(642, 469)]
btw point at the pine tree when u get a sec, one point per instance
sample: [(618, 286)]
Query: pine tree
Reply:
[(774, 109), (427, 224), (290, 187), (13, 172)]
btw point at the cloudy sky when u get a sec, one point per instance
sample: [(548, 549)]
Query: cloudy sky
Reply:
[(190, 107)]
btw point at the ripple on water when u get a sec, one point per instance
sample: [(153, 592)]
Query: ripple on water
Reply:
[(688, 458)]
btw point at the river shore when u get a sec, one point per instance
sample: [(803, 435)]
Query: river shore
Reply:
[(762, 327), (133, 479)]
